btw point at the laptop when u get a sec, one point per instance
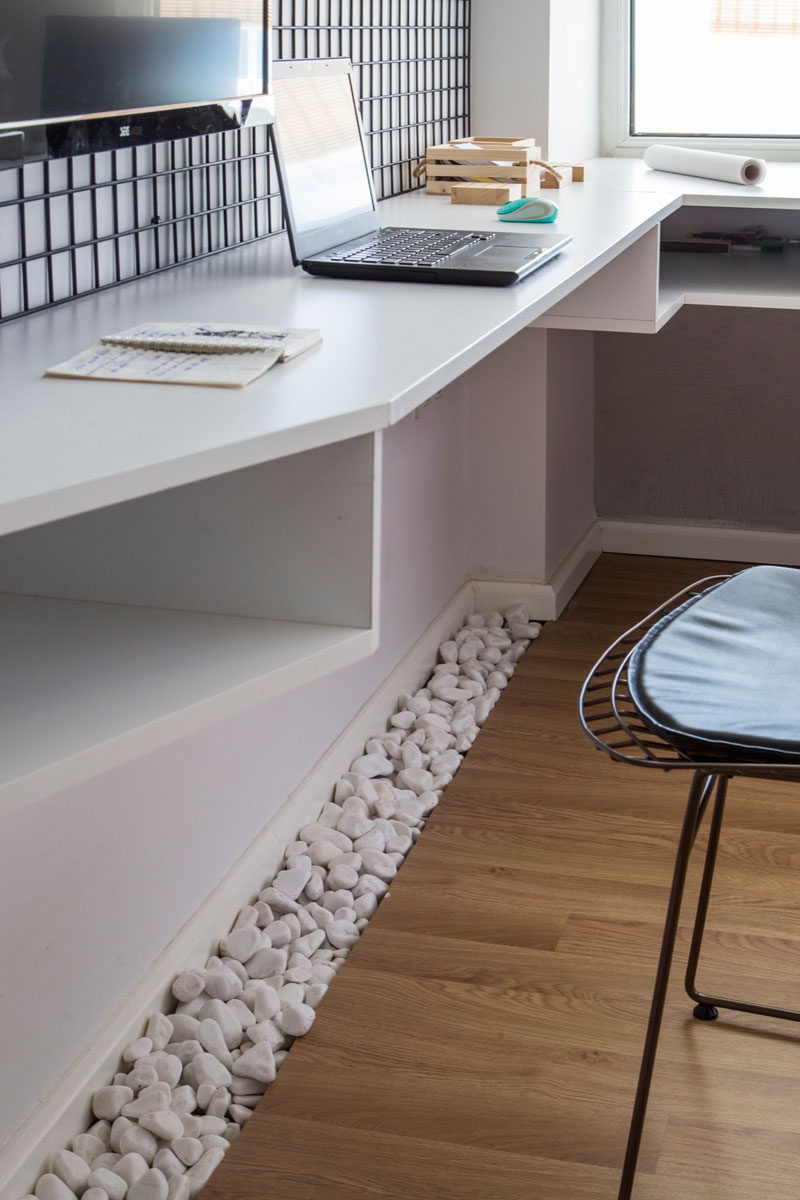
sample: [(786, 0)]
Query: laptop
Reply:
[(329, 201)]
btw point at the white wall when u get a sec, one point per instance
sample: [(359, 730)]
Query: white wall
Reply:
[(535, 73), (509, 49), (574, 92)]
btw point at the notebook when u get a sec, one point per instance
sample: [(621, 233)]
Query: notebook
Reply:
[(329, 201)]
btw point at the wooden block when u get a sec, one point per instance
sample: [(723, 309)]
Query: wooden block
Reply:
[(548, 181), (485, 193)]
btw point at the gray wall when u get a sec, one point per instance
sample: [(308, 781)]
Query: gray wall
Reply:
[(699, 423)]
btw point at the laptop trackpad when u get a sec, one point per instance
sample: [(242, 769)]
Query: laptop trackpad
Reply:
[(506, 255)]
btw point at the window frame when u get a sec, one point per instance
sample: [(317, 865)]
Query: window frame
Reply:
[(616, 68)]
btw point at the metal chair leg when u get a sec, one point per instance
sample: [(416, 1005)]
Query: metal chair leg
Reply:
[(704, 1010), (701, 782), (706, 1007)]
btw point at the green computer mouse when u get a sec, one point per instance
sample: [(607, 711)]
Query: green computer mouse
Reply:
[(531, 208)]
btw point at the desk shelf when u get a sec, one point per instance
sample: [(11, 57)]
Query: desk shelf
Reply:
[(128, 627), (741, 279)]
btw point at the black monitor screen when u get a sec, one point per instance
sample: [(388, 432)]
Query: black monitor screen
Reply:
[(62, 58)]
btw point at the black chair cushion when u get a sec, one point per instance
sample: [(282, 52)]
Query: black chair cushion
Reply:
[(719, 678)]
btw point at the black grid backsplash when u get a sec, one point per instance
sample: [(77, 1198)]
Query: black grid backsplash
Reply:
[(80, 225)]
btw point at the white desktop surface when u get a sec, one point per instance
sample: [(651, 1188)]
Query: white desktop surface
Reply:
[(68, 446), (71, 446)]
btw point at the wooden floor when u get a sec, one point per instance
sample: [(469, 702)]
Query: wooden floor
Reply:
[(483, 1040)]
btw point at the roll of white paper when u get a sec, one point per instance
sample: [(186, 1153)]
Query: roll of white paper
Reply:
[(709, 164)]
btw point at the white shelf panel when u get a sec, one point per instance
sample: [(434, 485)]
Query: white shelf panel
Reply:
[(88, 686), (740, 279)]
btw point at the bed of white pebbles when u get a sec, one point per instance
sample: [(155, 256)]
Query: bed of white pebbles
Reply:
[(188, 1086)]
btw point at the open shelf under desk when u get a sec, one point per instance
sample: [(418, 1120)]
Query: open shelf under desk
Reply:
[(127, 627), (742, 279), (88, 686)]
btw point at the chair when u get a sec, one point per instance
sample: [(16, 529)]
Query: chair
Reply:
[(708, 683)]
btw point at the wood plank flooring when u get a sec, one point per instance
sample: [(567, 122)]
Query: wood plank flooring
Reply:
[(483, 1040)]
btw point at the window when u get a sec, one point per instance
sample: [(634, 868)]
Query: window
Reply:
[(721, 70)]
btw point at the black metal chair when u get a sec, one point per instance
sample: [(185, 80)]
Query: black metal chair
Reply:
[(709, 683)]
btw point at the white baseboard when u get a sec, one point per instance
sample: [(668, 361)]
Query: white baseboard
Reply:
[(544, 601), (65, 1110), (700, 541)]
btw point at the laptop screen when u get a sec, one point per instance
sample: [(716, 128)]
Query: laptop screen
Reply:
[(327, 187)]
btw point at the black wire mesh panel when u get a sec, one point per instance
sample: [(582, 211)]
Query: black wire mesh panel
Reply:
[(84, 224)]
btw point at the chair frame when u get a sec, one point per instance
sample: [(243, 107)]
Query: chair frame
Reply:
[(610, 718)]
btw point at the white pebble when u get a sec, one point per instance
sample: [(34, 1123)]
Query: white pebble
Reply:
[(226, 1017), (374, 840), (291, 993), (342, 877), (372, 765), (265, 1002), (342, 934), (415, 778), (354, 824), (87, 1146), (337, 898), (183, 1027), (138, 1049), (378, 863), (71, 1169), (266, 963), (278, 901), (322, 833), (205, 1068), (222, 983), (187, 986), (183, 1099), (247, 916), (257, 1063), (151, 1186), (266, 1031), (107, 1160), (240, 1113), (297, 1019), (108, 1102), (187, 1149), (165, 1125), (370, 883), (167, 1163), (159, 1030), (310, 942), (365, 905), (114, 1187), (152, 1098), (201, 1172), (130, 1168), (179, 1188), (137, 1140), (50, 1187), (210, 1037), (242, 944), (292, 881)]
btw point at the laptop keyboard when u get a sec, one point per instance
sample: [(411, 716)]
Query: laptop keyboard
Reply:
[(410, 247)]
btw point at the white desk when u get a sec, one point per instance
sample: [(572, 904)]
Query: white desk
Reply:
[(170, 478)]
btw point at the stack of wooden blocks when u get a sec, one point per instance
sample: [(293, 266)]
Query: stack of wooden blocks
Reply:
[(492, 170)]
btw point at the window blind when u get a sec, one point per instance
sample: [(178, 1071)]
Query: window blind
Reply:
[(756, 16), (249, 11)]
